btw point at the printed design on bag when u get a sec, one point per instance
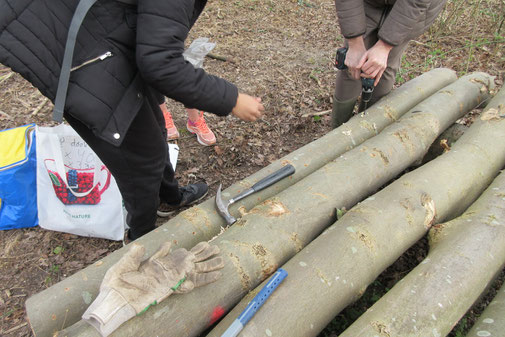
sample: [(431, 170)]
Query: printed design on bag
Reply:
[(77, 216), (79, 181)]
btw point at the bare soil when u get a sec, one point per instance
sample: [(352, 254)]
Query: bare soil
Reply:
[(282, 51)]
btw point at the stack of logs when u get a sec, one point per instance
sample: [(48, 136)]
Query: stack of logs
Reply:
[(331, 261)]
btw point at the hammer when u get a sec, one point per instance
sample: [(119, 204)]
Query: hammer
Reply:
[(222, 207)]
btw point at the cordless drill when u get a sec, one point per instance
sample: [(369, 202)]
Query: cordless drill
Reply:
[(367, 83)]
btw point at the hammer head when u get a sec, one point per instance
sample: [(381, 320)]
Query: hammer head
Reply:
[(222, 208)]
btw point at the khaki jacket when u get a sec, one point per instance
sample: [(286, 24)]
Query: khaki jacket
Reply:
[(402, 20)]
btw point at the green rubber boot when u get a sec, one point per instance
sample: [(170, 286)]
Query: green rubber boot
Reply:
[(342, 112)]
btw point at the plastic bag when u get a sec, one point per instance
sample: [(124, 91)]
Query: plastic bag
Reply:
[(18, 197), (197, 51)]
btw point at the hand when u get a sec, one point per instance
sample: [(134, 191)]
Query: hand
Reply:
[(248, 108), (375, 61), (355, 51)]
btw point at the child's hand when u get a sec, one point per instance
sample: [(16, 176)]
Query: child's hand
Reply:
[(248, 108)]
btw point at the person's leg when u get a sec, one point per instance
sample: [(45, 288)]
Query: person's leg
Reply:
[(346, 93), (140, 166), (171, 130), (197, 125), (347, 89)]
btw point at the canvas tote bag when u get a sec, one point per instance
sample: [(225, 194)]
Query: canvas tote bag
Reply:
[(76, 192)]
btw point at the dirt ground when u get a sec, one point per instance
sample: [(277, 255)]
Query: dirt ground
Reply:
[(281, 51)]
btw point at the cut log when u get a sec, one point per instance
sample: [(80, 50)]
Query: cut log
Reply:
[(274, 231), (75, 293), (492, 321), (335, 269), (465, 256)]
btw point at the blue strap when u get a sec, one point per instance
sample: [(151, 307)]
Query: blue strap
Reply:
[(61, 94)]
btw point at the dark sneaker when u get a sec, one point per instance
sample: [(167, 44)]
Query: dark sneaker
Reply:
[(191, 194), (126, 238)]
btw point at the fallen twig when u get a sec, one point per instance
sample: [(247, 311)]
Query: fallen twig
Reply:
[(317, 113), (39, 107), (220, 58), (6, 76), (13, 329), (285, 76), (420, 43)]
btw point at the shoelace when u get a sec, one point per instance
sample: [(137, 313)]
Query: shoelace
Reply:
[(200, 124), (189, 188), (186, 192)]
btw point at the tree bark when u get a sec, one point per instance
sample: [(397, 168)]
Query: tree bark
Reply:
[(492, 321), (75, 293), (274, 231), (466, 255), (335, 269), (444, 142)]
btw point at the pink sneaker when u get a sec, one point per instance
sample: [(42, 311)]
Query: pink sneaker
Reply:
[(172, 132), (203, 134)]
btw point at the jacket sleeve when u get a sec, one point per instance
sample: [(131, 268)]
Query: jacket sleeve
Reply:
[(351, 17), (405, 16), (162, 27)]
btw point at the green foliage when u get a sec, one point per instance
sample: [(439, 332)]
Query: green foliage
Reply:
[(58, 250), (467, 36), (8, 312), (341, 212), (403, 71), (460, 329), (305, 3)]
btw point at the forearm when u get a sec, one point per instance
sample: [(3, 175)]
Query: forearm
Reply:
[(162, 28), (355, 42), (383, 46)]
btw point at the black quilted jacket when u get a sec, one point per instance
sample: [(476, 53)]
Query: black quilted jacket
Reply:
[(121, 52)]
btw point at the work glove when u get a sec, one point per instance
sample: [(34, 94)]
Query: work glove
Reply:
[(131, 286)]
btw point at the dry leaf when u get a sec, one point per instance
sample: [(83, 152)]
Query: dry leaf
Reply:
[(218, 150)]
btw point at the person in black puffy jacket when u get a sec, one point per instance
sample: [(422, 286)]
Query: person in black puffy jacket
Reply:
[(125, 57)]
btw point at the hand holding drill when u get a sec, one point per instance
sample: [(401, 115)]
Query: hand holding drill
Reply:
[(367, 83)]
